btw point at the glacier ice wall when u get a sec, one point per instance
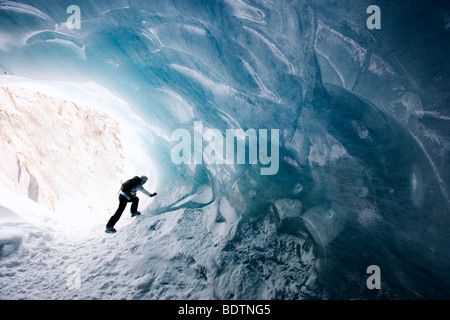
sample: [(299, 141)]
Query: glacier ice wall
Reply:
[(363, 120)]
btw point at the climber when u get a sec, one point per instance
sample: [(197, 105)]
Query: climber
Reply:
[(128, 194)]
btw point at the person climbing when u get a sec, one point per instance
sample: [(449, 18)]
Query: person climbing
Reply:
[(128, 194)]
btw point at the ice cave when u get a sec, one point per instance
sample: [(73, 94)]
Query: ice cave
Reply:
[(338, 162)]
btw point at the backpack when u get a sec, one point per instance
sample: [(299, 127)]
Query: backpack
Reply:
[(130, 184)]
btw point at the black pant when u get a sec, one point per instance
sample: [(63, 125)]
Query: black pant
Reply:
[(122, 205)]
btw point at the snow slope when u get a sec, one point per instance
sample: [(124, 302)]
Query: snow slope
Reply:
[(181, 254)]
